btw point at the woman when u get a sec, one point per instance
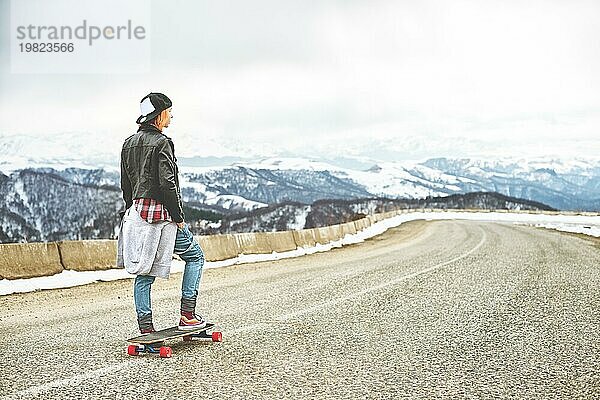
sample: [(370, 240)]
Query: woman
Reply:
[(153, 226)]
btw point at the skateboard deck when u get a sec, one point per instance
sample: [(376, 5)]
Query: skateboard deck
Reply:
[(154, 342)]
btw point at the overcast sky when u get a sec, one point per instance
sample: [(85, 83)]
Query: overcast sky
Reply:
[(364, 78)]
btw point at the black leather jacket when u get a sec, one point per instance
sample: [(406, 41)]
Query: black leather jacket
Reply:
[(149, 170)]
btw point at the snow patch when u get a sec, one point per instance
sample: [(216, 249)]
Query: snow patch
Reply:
[(300, 218), (229, 201), (591, 230)]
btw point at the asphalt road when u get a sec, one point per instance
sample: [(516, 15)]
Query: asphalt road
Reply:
[(446, 309)]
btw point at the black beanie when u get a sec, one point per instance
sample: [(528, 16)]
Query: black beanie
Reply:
[(152, 105)]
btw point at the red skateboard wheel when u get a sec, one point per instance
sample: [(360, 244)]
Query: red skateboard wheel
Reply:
[(165, 352), (217, 337), (132, 350)]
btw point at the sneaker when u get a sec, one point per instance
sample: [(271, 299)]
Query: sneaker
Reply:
[(190, 321), (147, 331)]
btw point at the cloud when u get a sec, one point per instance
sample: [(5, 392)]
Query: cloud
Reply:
[(395, 78)]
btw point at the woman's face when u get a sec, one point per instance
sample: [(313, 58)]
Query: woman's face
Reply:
[(167, 117), (164, 119)]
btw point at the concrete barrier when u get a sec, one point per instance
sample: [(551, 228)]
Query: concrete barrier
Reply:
[(88, 255), (335, 232), (29, 260), (362, 223), (305, 238), (218, 247), (348, 229), (253, 243), (282, 241), (263, 243), (587, 213), (358, 225), (322, 235)]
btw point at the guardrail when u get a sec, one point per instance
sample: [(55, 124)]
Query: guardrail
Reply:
[(28, 260)]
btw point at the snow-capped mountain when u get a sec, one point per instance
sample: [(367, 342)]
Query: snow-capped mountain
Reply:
[(562, 184), (60, 151), (568, 185), (52, 201), (257, 185), (42, 205)]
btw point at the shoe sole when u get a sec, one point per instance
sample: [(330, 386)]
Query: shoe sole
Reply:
[(190, 327)]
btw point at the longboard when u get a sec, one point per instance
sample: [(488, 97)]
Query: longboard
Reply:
[(154, 342)]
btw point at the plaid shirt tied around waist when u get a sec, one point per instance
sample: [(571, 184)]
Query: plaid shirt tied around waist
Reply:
[(151, 210)]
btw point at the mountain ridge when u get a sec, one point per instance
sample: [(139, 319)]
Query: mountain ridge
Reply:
[(325, 212), (46, 203)]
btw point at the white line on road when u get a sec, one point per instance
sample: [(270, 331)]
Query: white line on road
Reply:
[(72, 381), (83, 378), (363, 292)]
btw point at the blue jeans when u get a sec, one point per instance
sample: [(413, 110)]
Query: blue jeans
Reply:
[(189, 250)]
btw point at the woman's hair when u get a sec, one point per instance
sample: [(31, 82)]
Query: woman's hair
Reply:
[(159, 118), (155, 121)]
